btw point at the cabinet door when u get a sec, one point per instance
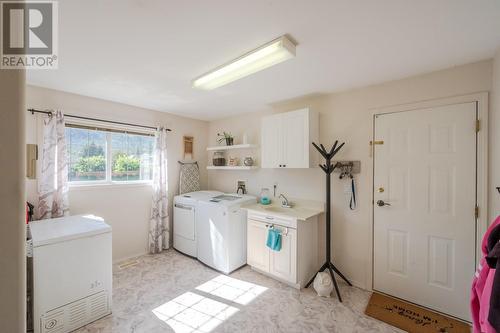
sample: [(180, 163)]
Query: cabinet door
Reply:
[(257, 251), (295, 136), (271, 142), (283, 263)]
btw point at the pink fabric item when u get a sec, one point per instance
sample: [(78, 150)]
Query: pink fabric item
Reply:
[(481, 288)]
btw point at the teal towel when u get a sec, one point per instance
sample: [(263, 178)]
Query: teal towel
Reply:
[(274, 239)]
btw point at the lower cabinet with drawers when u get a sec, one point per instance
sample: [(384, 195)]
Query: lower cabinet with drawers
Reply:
[(297, 261)]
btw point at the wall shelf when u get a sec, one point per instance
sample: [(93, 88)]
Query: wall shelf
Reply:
[(242, 146), (227, 167)]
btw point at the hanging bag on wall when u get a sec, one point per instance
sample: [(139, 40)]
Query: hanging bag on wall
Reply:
[(352, 201)]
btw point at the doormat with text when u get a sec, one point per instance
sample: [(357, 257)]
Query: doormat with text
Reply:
[(412, 318)]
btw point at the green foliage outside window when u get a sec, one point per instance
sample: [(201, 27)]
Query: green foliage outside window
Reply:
[(124, 162), (91, 164), (92, 150)]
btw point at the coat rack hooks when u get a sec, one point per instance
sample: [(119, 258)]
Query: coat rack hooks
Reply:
[(347, 167)]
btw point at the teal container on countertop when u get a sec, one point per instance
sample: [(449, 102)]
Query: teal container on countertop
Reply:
[(265, 196)]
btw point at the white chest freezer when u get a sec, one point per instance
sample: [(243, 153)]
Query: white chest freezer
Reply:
[(72, 272)]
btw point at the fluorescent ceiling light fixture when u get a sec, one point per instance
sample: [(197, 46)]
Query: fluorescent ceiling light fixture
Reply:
[(267, 55)]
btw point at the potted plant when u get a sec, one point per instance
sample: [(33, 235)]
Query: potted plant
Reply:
[(227, 137)]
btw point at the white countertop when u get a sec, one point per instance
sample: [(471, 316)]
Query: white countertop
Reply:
[(301, 209)]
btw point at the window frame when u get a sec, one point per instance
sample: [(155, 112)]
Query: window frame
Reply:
[(108, 130)]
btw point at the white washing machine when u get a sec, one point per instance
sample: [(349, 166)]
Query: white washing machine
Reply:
[(221, 231), (185, 209)]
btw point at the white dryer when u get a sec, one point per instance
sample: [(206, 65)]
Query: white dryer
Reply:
[(221, 231), (184, 220)]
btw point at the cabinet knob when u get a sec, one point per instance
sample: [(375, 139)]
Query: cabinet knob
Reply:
[(280, 165), (284, 165)]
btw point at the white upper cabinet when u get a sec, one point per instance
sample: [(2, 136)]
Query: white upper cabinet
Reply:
[(287, 139), (271, 142)]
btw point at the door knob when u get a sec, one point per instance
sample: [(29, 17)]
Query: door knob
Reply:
[(381, 203)]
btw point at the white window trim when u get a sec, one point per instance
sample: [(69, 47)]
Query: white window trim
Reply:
[(98, 184), (108, 183)]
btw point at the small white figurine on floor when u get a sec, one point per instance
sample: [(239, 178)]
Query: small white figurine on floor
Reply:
[(323, 284)]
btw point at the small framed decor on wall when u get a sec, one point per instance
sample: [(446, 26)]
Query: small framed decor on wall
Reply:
[(188, 147)]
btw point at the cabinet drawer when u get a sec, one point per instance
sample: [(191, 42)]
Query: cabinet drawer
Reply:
[(273, 219)]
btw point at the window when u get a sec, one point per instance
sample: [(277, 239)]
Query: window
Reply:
[(101, 155), (132, 157)]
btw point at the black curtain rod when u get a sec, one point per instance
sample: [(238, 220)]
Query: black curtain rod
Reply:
[(33, 111)]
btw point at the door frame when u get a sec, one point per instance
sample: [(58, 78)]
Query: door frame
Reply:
[(481, 98)]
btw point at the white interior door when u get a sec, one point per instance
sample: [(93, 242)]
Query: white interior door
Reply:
[(424, 240)]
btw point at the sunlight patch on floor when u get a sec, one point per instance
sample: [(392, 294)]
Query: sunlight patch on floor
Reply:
[(233, 290), (191, 312), (194, 313)]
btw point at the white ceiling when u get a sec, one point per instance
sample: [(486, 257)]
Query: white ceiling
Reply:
[(146, 52)]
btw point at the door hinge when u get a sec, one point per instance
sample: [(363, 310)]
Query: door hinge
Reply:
[(478, 125), (380, 142), (476, 212)]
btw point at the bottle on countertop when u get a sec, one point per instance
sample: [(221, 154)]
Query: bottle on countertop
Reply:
[(265, 196)]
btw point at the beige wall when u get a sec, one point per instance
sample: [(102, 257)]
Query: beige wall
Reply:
[(494, 131), (125, 207), (345, 116), (12, 206)]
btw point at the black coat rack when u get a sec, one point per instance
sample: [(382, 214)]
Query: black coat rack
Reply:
[(328, 168)]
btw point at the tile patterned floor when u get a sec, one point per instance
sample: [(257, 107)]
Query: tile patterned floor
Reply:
[(170, 292)]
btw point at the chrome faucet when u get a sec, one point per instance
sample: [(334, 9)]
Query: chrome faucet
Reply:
[(284, 203)]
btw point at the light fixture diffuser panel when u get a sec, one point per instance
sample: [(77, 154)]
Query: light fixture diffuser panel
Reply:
[(270, 54)]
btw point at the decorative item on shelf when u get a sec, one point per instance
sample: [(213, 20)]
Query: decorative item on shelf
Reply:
[(245, 138), (248, 161), (323, 284), (233, 161), (265, 196), (219, 159), (225, 137)]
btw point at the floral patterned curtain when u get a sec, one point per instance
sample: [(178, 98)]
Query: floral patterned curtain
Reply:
[(158, 223), (53, 184)]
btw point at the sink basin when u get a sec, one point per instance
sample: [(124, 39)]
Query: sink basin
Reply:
[(277, 209)]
